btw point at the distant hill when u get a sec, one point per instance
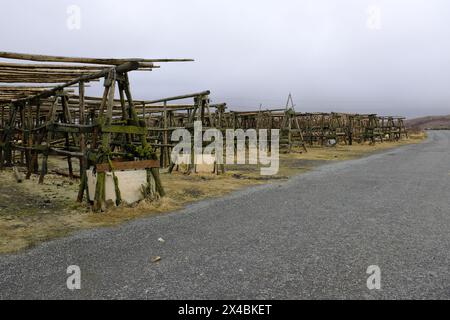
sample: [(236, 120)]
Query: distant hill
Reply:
[(430, 122)]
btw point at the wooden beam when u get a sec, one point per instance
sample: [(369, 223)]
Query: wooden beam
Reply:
[(102, 61), (186, 96), (124, 129), (127, 165), (123, 68), (50, 66)]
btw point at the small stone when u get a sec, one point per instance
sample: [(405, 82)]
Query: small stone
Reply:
[(156, 259)]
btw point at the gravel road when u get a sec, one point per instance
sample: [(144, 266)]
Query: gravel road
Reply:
[(312, 237)]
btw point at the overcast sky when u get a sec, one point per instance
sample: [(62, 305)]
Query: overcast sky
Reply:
[(384, 56)]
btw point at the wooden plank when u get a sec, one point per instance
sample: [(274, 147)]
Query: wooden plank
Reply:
[(49, 66), (102, 61), (123, 68), (48, 58), (128, 165), (124, 129), (186, 96)]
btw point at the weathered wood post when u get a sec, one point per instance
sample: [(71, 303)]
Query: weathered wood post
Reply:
[(83, 160)]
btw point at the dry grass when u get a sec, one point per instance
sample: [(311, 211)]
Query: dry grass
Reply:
[(30, 213), (345, 152)]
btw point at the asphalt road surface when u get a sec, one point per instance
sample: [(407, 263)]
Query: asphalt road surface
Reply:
[(310, 238)]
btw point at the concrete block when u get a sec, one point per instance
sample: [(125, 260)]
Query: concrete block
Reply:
[(130, 183)]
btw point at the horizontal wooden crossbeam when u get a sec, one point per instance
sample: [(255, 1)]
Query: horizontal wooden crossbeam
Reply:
[(127, 165)]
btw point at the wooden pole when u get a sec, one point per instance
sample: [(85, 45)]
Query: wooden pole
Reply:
[(101, 61)]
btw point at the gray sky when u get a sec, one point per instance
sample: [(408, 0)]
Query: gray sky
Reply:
[(332, 55)]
